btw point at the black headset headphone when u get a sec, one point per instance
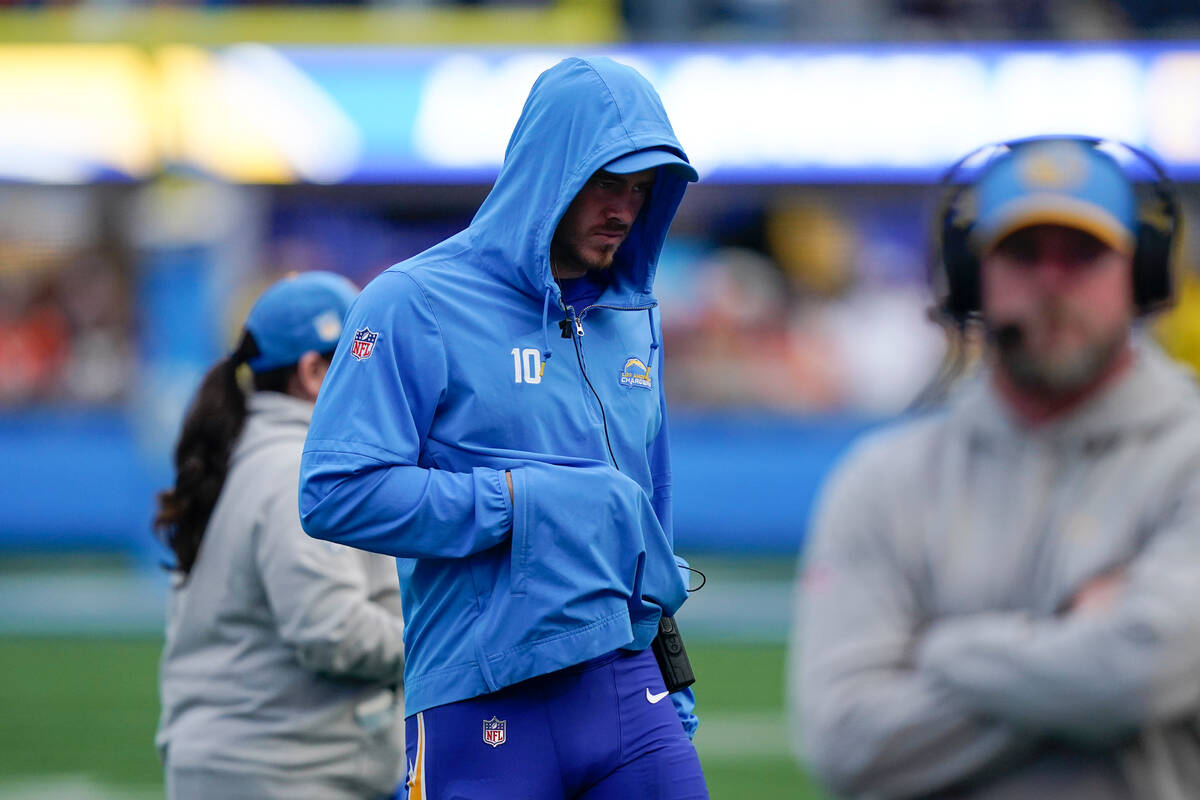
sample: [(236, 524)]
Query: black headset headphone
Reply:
[(955, 266)]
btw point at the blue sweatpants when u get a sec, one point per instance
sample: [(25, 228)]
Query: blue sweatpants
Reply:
[(601, 730)]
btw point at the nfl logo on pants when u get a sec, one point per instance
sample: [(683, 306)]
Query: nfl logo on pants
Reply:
[(493, 731)]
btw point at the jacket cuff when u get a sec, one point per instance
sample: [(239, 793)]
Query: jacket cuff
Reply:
[(502, 504)]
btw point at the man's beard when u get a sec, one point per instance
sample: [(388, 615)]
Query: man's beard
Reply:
[(1054, 376), (574, 257)]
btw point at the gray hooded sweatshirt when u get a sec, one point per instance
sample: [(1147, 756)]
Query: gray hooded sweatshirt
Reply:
[(281, 650), (937, 655)]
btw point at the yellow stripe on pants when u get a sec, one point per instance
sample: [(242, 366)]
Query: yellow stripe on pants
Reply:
[(416, 773)]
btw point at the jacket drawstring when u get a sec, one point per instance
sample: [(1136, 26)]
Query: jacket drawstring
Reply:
[(545, 332), (653, 342)]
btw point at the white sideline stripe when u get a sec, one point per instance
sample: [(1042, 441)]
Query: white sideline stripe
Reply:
[(72, 787), (726, 610), (739, 610), (746, 736)]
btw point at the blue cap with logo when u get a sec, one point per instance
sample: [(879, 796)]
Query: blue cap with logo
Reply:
[(1055, 182), (649, 159), (300, 313)]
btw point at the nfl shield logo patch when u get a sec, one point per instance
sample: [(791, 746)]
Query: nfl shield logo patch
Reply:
[(364, 343), (493, 731)]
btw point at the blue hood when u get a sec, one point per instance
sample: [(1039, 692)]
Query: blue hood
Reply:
[(556, 146)]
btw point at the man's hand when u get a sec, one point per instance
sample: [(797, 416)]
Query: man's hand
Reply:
[(1099, 594), (508, 480)]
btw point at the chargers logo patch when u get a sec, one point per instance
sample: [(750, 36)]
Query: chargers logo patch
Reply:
[(364, 343), (329, 326), (635, 373)]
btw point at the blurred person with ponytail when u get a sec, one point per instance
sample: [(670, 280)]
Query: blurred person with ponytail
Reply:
[(283, 654)]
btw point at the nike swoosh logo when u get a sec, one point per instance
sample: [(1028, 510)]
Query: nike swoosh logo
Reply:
[(654, 698)]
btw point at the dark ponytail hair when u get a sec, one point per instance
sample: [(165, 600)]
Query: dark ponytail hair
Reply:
[(210, 429)]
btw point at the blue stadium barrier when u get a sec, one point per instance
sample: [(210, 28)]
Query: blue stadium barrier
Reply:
[(744, 484), (74, 481)]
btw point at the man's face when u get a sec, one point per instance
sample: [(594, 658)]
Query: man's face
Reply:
[(1059, 303), (598, 220)]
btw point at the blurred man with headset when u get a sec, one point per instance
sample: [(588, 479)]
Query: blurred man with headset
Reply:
[(1002, 600)]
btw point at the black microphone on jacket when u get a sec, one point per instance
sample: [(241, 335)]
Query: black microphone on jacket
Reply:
[(1008, 336)]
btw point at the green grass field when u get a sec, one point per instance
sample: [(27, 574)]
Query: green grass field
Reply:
[(79, 717)]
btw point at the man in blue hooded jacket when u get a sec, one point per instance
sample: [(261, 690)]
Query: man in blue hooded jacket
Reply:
[(494, 418)]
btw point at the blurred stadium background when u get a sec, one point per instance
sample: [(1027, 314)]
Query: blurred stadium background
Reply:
[(160, 163)]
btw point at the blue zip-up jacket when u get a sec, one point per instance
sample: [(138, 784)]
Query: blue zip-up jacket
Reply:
[(453, 368)]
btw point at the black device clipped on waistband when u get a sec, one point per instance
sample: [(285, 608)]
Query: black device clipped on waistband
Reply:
[(672, 656)]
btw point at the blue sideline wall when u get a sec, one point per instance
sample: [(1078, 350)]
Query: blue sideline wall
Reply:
[(744, 484)]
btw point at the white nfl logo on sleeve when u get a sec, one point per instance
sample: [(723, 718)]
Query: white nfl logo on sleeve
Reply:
[(364, 343)]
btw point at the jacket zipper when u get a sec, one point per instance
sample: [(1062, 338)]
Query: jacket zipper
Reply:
[(577, 334), (616, 308)]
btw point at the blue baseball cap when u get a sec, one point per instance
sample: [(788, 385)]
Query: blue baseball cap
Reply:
[(1055, 182), (648, 159), (300, 313)]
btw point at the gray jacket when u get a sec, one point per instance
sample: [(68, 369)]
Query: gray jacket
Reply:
[(281, 649), (936, 655)]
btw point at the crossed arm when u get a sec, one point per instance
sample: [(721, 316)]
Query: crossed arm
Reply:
[(1125, 655), (894, 707), (870, 720)]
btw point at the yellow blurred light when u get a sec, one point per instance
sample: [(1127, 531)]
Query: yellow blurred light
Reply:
[(198, 126), (64, 110), (563, 22)]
